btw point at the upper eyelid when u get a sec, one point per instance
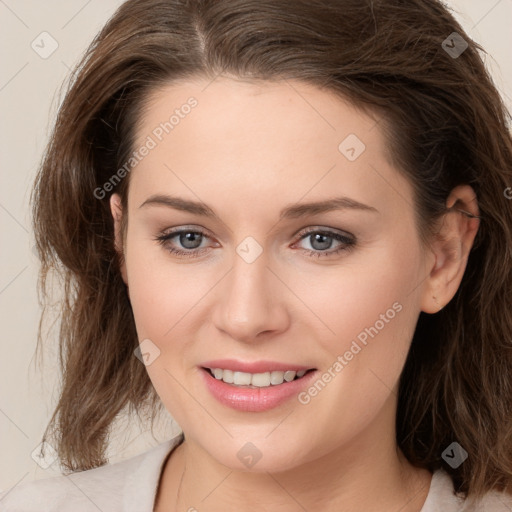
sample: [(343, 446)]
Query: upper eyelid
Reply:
[(200, 229), (314, 229)]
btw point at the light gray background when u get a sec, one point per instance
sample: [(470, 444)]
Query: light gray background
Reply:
[(29, 98)]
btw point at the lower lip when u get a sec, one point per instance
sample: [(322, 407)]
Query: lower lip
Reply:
[(258, 399)]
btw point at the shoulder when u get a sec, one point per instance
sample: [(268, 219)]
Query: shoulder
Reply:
[(124, 486), (442, 498)]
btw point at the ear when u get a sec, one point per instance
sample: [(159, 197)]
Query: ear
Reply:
[(117, 213), (451, 248)]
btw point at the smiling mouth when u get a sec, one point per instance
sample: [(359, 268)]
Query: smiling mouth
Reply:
[(256, 380)]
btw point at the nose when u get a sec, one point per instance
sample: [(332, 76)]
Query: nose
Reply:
[(250, 301)]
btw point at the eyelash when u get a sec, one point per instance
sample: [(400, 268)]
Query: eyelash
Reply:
[(349, 243)]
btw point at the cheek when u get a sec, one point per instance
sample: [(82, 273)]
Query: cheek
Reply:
[(163, 297), (161, 293), (368, 310), (371, 315)]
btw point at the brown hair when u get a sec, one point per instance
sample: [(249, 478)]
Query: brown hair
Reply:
[(446, 125)]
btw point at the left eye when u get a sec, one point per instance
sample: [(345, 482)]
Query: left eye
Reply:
[(324, 240), (191, 240)]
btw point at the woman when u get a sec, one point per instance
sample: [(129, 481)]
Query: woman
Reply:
[(289, 224)]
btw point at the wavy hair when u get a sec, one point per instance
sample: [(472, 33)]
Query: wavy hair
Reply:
[(446, 125)]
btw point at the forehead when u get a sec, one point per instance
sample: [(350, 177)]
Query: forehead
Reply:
[(278, 140), (261, 108)]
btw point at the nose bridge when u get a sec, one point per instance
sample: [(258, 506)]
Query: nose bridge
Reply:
[(248, 305)]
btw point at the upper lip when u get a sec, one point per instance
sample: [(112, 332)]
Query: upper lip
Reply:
[(253, 366)]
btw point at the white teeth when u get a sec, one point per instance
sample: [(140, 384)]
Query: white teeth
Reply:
[(260, 380), (227, 376), (276, 378), (241, 378), (289, 375)]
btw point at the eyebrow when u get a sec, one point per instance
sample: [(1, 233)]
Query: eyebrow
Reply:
[(290, 212)]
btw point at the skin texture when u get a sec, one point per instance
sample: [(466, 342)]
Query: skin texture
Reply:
[(248, 150)]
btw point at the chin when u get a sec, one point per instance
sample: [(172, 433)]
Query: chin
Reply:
[(255, 456)]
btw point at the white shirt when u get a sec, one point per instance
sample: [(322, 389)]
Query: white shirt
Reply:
[(131, 485)]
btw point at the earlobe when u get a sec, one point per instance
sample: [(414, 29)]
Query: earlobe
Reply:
[(451, 248), (117, 214)]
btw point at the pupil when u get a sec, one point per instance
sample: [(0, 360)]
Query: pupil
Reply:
[(186, 238), (324, 245)]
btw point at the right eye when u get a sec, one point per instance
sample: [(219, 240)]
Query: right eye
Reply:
[(186, 238)]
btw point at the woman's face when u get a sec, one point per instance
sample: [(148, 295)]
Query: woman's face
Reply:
[(264, 282)]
